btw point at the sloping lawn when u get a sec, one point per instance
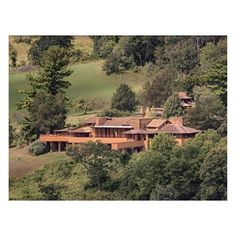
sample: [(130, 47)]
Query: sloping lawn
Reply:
[(88, 81)]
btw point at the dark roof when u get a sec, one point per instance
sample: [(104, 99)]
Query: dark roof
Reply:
[(140, 131), (178, 129)]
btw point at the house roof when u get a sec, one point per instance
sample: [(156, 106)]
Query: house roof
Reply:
[(156, 123), (91, 120), (140, 131), (177, 120), (64, 130), (118, 121), (178, 129), (183, 95), (85, 129)]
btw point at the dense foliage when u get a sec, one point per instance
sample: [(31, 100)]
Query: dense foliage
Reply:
[(209, 111), (195, 171), (44, 42)]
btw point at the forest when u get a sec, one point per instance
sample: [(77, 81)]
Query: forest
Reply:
[(162, 66)]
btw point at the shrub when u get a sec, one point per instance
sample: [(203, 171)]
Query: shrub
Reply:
[(38, 148)]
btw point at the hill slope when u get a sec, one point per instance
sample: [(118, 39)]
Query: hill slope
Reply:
[(88, 81)]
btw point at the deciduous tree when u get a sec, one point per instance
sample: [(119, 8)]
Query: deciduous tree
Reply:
[(208, 113), (172, 106)]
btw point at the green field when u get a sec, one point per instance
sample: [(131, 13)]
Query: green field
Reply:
[(88, 81)]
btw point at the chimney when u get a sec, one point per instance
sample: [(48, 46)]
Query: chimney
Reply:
[(100, 120)]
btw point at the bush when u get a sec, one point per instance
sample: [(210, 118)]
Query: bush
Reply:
[(38, 148)]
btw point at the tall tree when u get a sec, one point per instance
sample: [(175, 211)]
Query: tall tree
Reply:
[(47, 112), (50, 77), (44, 42), (124, 99), (159, 88), (45, 93)]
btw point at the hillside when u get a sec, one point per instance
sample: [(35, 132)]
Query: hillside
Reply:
[(88, 81)]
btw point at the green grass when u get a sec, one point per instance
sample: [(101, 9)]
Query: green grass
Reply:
[(88, 81)]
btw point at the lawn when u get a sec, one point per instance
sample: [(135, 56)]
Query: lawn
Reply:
[(22, 164), (88, 81)]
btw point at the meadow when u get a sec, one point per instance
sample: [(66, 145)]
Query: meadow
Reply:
[(88, 81)]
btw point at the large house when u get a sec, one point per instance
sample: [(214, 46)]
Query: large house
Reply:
[(120, 133)]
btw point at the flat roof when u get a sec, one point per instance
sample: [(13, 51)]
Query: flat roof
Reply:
[(141, 131), (113, 126)]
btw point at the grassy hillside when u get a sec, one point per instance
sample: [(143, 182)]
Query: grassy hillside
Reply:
[(22, 164), (88, 81)]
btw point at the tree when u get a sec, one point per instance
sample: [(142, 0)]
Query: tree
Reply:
[(208, 113), (112, 63), (183, 56), (213, 174), (44, 42), (13, 57), (124, 99), (99, 161), (54, 64), (47, 112), (172, 106), (141, 175), (164, 193), (159, 88), (163, 143), (45, 101), (103, 45), (50, 77)]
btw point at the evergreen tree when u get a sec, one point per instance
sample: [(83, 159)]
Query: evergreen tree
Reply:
[(45, 101), (124, 99), (47, 112), (44, 42), (50, 77)]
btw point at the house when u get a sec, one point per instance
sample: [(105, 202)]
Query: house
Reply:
[(120, 133), (186, 101)]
